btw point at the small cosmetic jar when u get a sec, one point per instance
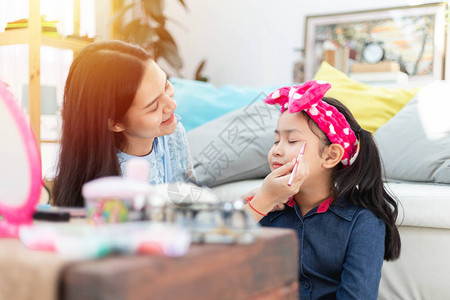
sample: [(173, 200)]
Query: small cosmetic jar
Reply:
[(115, 199)]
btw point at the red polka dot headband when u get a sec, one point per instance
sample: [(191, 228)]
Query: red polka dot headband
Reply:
[(308, 97)]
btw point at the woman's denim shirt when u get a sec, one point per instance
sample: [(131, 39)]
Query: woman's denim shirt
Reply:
[(341, 249)]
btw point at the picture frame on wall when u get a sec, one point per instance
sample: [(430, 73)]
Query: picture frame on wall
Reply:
[(409, 39)]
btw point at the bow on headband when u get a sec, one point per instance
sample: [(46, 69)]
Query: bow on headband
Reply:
[(308, 97)]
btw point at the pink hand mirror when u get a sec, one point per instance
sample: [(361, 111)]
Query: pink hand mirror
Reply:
[(20, 167)]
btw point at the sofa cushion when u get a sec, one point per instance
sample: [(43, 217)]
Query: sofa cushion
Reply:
[(422, 204), (233, 190), (371, 106), (235, 146), (415, 144), (200, 102)]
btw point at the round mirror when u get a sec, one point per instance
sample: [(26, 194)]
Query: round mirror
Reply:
[(20, 171)]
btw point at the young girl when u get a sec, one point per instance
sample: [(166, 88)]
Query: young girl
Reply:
[(118, 104), (343, 216)]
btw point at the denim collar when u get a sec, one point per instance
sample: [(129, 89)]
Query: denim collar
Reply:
[(343, 209), (340, 207), (273, 215)]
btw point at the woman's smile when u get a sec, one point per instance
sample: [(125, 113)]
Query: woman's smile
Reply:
[(169, 120)]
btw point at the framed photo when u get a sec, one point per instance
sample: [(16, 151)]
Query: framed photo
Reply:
[(411, 37)]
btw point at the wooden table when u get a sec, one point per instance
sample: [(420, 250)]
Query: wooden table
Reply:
[(266, 269)]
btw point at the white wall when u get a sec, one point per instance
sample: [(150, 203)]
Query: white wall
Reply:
[(251, 42)]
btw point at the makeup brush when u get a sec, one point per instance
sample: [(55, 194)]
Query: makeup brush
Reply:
[(300, 154)]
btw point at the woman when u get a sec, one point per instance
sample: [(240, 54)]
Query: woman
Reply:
[(118, 104)]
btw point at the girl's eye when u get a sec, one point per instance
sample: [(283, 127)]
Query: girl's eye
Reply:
[(292, 142), (276, 142)]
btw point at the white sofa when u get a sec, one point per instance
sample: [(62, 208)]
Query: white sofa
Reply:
[(423, 269), (415, 148)]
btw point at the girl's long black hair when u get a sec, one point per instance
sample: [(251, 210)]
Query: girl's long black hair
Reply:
[(362, 182), (101, 85)]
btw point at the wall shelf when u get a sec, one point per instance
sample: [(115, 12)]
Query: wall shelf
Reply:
[(34, 38), (21, 36)]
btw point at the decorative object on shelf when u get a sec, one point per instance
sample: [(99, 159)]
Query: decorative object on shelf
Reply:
[(419, 53), (148, 30), (299, 67), (375, 70), (373, 52)]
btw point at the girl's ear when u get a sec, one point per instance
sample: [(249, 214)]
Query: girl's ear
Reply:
[(332, 156), (115, 126)]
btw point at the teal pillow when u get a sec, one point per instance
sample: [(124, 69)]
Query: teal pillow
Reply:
[(234, 146), (200, 102)]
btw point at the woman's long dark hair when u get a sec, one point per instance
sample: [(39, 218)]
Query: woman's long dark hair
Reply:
[(101, 85), (362, 184)]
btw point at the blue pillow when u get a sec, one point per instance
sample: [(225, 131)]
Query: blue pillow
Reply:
[(200, 102)]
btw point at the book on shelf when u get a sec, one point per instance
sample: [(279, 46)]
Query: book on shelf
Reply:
[(338, 58), (381, 77), (382, 66), (48, 27)]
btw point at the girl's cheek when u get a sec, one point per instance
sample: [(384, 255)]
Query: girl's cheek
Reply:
[(269, 157)]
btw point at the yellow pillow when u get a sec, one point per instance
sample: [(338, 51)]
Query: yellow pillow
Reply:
[(371, 106)]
